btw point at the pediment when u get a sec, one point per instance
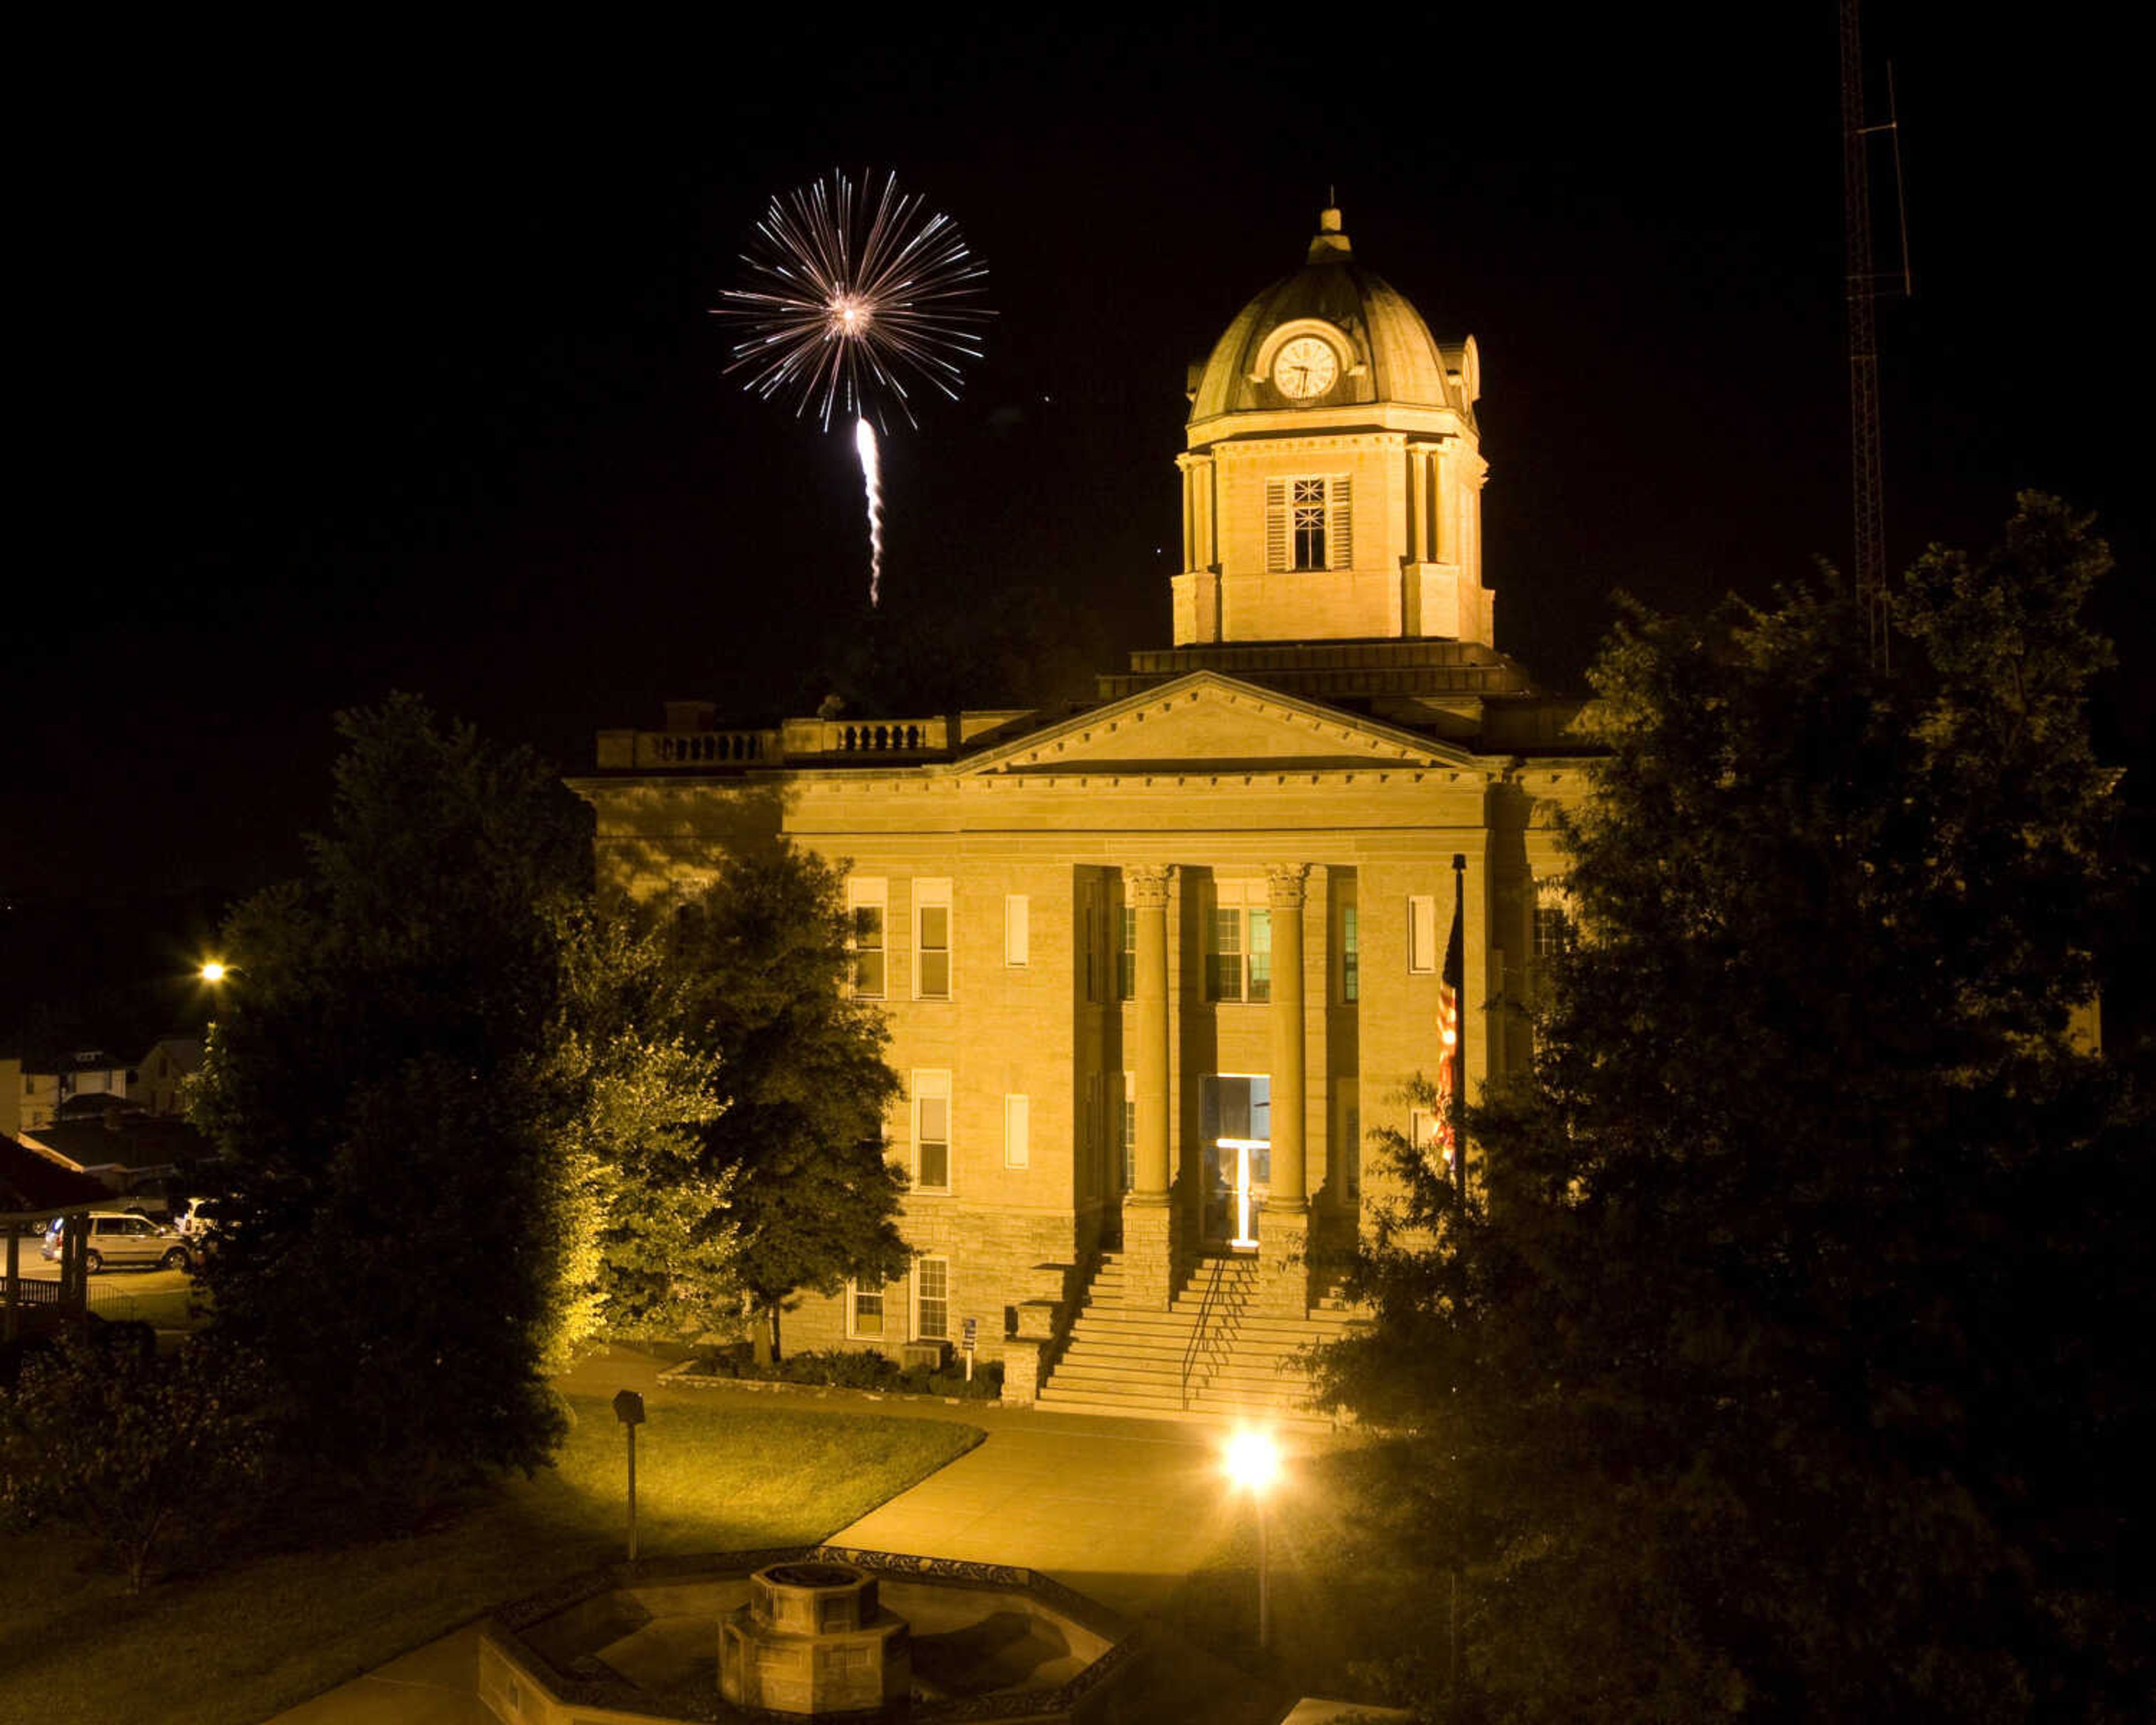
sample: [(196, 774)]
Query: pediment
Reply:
[(1207, 722)]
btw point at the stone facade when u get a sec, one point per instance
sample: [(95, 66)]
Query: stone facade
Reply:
[(1155, 970)]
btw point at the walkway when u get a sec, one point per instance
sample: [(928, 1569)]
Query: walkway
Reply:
[(1121, 1510)]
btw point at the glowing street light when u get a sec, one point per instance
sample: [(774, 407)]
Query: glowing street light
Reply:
[(214, 970), (1252, 1463)]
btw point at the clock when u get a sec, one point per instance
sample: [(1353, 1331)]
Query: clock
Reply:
[(1305, 367)]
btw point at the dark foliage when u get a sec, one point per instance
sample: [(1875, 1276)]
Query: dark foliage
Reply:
[(102, 1435), (1792, 1363), (863, 1368), (375, 1084), (803, 1077)]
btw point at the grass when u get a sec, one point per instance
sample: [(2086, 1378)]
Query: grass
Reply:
[(234, 1646), (168, 1309), (1347, 1600)]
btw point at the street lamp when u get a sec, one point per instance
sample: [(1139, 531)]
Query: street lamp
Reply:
[(628, 1409), (214, 970), (1252, 1463)]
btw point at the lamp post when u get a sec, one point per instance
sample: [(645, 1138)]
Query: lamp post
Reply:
[(213, 971), (628, 1409), (1252, 1463)]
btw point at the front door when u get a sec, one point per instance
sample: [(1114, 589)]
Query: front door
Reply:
[(1237, 1135)]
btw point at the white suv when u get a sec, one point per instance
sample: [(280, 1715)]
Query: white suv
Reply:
[(118, 1238)]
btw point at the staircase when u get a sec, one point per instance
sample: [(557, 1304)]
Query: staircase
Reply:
[(1209, 1355)]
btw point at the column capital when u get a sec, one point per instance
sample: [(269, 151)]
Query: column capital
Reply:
[(1146, 884), (1285, 883)]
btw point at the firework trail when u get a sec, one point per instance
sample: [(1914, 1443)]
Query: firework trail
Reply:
[(865, 441), (848, 300)]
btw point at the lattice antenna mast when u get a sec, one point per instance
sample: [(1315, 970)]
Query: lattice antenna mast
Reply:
[(1863, 291)]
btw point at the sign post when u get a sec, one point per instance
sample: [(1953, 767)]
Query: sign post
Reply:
[(971, 1325), (628, 1409)]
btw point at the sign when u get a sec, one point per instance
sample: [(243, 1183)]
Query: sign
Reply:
[(629, 1408), (968, 1342)]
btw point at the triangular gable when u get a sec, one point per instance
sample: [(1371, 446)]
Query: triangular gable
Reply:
[(1206, 721)]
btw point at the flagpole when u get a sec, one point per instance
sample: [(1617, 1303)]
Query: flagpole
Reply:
[(1459, 1122)]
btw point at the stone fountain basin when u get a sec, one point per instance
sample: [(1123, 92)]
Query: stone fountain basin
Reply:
[(642, 1645)]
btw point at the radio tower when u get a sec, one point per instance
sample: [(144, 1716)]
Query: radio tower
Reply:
[(1870, 509)]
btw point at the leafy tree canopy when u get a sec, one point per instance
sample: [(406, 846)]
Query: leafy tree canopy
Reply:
[(432, 1095), (1784, 1366), (803, 1077)]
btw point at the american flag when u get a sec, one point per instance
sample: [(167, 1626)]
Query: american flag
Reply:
[(1443, 1131)]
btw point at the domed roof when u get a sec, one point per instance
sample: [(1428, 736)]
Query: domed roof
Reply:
[(1394, 357)]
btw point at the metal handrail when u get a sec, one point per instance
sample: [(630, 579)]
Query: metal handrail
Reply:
[(1209, 1303)]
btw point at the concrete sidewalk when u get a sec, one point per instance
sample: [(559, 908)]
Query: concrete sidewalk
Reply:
[(1121, 1510)]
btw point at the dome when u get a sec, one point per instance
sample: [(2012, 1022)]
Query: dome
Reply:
[(1391, 355)]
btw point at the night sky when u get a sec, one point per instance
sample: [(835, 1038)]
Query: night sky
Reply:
[(377, 363)]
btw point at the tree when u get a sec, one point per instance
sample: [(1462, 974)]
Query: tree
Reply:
[(137, 1451), (650, 1241), (429, 1100), (803, 1078), (1782, 1365)]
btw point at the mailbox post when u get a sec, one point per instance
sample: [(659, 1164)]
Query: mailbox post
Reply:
[(628, 1409)]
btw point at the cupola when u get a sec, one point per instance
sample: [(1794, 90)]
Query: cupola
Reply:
[(1332, 473)]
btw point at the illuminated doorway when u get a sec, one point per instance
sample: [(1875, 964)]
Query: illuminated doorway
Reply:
[(1236, 1130)]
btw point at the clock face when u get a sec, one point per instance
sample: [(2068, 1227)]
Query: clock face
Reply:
[(1305, 367)]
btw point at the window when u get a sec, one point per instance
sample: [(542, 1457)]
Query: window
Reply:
[(1308, 525), (1422, 933), (1552, 930), (1089, 918), (866, 896), (1130, 1130), (1093, 1130), (1017, 1130), (931, 1131), (1239, 958), (865, 1315), (1018, 922), (1553, 921), (1351, 955), (932, 940), (931, 1299), (1127, 956), (1347, 1114)]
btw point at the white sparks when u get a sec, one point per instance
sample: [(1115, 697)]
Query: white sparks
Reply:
[(865, 441)]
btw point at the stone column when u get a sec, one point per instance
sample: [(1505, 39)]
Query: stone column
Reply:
[(1284, 1234), (1148, 1231)]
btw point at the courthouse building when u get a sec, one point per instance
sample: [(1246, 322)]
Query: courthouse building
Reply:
[(1155, 969)]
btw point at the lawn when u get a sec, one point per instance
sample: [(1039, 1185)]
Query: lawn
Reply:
[(234, 1646), (1348, 1601)]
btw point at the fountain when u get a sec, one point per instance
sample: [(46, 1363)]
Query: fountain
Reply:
[(810, 1632), (812, 1640)]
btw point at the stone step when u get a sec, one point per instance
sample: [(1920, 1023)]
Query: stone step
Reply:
[(1095, 1363), (1088, 1359), (1139, 1361), (1273, 1337), (1115, 1351), (1203, 1412)]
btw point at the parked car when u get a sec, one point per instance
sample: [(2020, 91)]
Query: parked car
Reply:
[(192, 1216), (116, 1237)]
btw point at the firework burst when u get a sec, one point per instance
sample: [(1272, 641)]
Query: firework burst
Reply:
[(850, 298)]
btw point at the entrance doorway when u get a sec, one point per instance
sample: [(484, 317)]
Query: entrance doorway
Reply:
[(1236, 1132)]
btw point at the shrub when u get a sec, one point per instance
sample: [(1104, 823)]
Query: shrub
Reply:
[(859, 1368), (133, 1449)]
